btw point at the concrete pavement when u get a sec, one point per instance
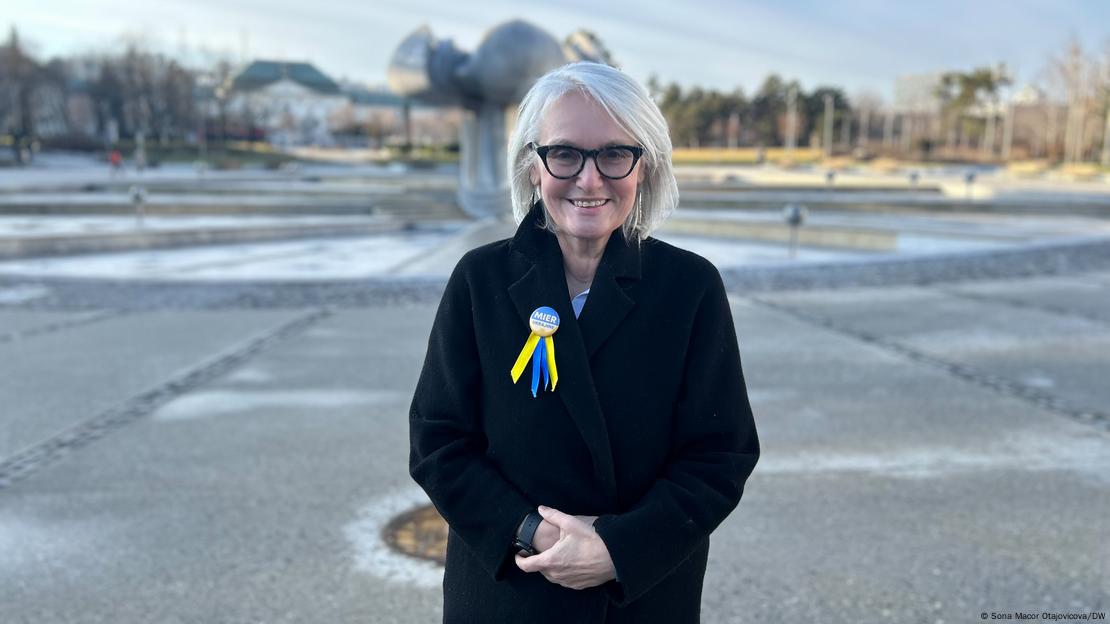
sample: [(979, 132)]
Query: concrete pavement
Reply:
[(930, 453)]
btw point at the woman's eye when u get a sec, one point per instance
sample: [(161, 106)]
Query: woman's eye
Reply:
[(616, 155), (563, 155)]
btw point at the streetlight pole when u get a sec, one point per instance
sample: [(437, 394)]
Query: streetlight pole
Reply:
[(1106, 140), (828, 124), (846, 130), (1008, 132), (888, 128), (791, 121), (864, 126)]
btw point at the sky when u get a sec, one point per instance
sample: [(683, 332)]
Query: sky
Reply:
[(860, 45)]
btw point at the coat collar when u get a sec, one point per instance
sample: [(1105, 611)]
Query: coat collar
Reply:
[(609, 300), (577, 340)]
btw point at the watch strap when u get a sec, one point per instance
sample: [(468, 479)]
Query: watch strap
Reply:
[(527, 532)]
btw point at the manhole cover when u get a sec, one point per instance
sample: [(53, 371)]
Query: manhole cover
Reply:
[(420, 533)]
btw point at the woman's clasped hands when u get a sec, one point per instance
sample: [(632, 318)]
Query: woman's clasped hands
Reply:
[(578, 558)]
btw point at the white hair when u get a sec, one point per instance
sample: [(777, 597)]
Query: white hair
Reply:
[(631, 108)]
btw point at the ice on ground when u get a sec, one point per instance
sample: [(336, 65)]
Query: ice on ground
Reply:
[(22, 294), (42, 226), (1072, 448), (730, 253), (373, 556), (302, 260), (223, 402), (338, 259)]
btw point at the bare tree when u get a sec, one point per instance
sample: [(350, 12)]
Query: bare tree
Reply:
[(1079, 79), (868, 103), (20, 76)]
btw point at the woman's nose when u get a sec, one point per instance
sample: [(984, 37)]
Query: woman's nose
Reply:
[(589, 177)]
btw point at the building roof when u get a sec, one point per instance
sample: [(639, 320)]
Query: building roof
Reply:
[(260, 74)]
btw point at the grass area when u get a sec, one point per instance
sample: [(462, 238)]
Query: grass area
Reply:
[(745, 156), (230, 155), (778, 156)]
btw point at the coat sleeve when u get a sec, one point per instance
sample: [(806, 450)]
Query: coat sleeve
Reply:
[(714, 449), (447, 445)]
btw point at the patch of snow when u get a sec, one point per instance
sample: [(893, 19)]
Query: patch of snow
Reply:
[(373, 556), (223, 402)]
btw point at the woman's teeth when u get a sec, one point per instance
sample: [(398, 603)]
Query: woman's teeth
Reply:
[(588, 204)]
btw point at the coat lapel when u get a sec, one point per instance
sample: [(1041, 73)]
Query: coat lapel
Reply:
[(609, 302), (544, 283)]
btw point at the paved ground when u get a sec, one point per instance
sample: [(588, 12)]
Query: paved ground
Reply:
[(930, 453)]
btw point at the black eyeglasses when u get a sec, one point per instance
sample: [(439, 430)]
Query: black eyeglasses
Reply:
[(566, 161)]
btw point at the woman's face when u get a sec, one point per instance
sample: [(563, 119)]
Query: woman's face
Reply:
[(572, 204)]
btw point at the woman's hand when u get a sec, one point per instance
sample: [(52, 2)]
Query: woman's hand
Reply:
[(547, 534), (578, 559)]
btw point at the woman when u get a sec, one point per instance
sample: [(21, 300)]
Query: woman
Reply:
[(616, 467)]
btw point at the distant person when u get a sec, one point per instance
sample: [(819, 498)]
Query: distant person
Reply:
[(115, 162), (581, 421)]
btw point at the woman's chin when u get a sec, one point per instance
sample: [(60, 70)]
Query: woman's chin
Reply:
[(589, 230)]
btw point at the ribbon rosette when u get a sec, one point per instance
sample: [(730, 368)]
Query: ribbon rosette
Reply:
[(540, 348)]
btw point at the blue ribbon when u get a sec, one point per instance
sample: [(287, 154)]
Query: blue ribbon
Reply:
[(543, 358), (539, 362)]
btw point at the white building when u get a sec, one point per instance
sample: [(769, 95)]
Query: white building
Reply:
[(291, 101)]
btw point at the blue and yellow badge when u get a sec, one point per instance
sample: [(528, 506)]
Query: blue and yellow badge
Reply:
[(540, 348)]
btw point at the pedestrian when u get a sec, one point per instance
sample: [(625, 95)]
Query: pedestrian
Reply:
[(585, 489), (115, 162)]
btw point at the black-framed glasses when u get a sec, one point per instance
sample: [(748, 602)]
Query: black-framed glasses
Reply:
[(566, 161)]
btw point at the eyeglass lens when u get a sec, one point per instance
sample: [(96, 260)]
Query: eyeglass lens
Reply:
[(613, 162)]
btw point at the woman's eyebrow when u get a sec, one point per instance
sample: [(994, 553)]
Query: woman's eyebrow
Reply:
[(568, 142)]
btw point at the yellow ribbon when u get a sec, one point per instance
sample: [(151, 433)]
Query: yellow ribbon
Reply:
[(551, 361), (526, 354)]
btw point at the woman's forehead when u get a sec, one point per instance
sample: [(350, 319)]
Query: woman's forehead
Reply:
[(578, 120)]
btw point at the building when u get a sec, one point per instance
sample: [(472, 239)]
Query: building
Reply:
[(292, 102)]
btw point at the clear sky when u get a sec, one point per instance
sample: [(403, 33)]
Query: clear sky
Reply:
[(856, 44)]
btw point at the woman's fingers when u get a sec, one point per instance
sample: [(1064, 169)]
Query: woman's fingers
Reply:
[(534, 563), (573, 562), (563, 521)]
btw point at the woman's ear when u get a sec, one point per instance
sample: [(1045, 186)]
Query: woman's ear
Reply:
[(533, 175)]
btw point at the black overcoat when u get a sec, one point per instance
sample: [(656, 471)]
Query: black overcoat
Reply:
[(649, 427)]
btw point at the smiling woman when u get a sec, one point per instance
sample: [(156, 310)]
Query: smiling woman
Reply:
[(583, 202), (612, 478)]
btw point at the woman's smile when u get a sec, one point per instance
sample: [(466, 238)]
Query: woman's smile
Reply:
[(588, 206)]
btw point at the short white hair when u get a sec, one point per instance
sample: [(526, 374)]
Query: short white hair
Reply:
[(631, 108)]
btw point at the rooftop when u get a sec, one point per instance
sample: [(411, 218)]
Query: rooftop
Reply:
[(261, 74)]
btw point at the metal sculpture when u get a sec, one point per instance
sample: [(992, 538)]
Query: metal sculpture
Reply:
[(488, 83)]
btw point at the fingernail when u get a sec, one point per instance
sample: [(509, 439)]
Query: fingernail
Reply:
[(544, 507)]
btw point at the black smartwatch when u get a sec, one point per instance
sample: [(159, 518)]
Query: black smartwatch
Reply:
[(523, 540)]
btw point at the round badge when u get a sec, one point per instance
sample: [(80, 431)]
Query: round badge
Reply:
[(544, 321)]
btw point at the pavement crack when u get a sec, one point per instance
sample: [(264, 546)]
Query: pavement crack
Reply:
[(21, 464), (1024, 305), (50, 328), (1001, 385)]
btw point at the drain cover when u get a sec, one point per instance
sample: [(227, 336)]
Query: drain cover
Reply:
[(420, 533)]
